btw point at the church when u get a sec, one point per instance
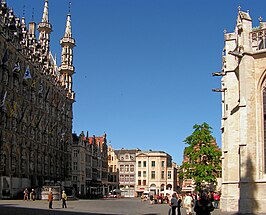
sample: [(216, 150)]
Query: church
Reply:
[(243, 126), (36, 100)]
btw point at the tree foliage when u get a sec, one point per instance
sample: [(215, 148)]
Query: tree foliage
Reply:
[(202, 163)]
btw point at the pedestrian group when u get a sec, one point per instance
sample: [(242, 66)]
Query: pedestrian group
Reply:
[(204, 203), (32, 196)]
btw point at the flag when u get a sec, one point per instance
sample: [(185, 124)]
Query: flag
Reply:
[(46, 95), (16, 67), (5, 57), (33, 83), (4, 99), (27, 74)]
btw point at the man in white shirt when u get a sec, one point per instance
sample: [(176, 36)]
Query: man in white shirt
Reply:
[(188, 203)]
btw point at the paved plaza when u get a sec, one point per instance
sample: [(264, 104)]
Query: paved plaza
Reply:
[(126, 206)]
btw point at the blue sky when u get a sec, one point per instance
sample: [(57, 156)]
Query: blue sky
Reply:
[(144, 67)]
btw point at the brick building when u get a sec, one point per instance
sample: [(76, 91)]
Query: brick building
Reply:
[(89, 165)]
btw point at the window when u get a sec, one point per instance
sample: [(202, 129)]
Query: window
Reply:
[(162, 163), (262, 43), (89, 161), (139, 173), (162, 175), (75, 166), (139, 182), (144, 174), (126, 178), (131, 168), (127, 168), (132, 178), (139, 163), (122, 178), (153, 163), (264, 114), (122, 168), (144, 163), (153, 174), (169, 175), (75, 178), (75, 153), (144, 182)]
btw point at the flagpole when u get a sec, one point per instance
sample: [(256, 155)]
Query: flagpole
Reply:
[(4, 99)]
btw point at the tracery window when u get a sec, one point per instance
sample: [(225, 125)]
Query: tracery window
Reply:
[(264, 123)]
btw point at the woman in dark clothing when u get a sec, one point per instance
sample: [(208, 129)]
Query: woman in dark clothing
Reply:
[(203, 206), (179, 206)]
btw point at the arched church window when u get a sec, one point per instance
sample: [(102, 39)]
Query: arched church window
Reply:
[(264, 124)]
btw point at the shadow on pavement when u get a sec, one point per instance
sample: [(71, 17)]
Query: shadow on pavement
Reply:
[(9, 209)]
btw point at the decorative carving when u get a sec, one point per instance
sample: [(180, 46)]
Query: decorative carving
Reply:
[(30, 106), (32, 161)]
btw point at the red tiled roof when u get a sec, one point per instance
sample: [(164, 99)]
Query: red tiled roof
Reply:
[(97, 139)]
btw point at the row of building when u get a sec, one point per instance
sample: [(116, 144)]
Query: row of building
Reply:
[(98, 169)]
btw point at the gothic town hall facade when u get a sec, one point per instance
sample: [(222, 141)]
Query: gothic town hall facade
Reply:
[(36, 99)]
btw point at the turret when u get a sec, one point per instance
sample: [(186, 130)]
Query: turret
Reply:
[(66, 68), (45, 29)]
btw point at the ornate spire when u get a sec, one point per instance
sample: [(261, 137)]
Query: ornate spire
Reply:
[(68, 32), (45, 26), (45, 17), (66, 68), (45, 29)]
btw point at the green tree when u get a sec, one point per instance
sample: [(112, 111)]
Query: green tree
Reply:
[(203, 157)]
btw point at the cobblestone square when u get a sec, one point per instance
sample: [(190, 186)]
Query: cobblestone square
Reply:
[(128, 206)]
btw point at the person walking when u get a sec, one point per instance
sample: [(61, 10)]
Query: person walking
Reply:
[(33, 195), (179, 204), (204, 205), (151, 199), (174, 204), (26, 194), (188, 203), (64, 199), (216, 200), (50, 200)]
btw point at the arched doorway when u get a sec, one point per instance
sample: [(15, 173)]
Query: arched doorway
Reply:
[(169, 187), (152, 189)]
